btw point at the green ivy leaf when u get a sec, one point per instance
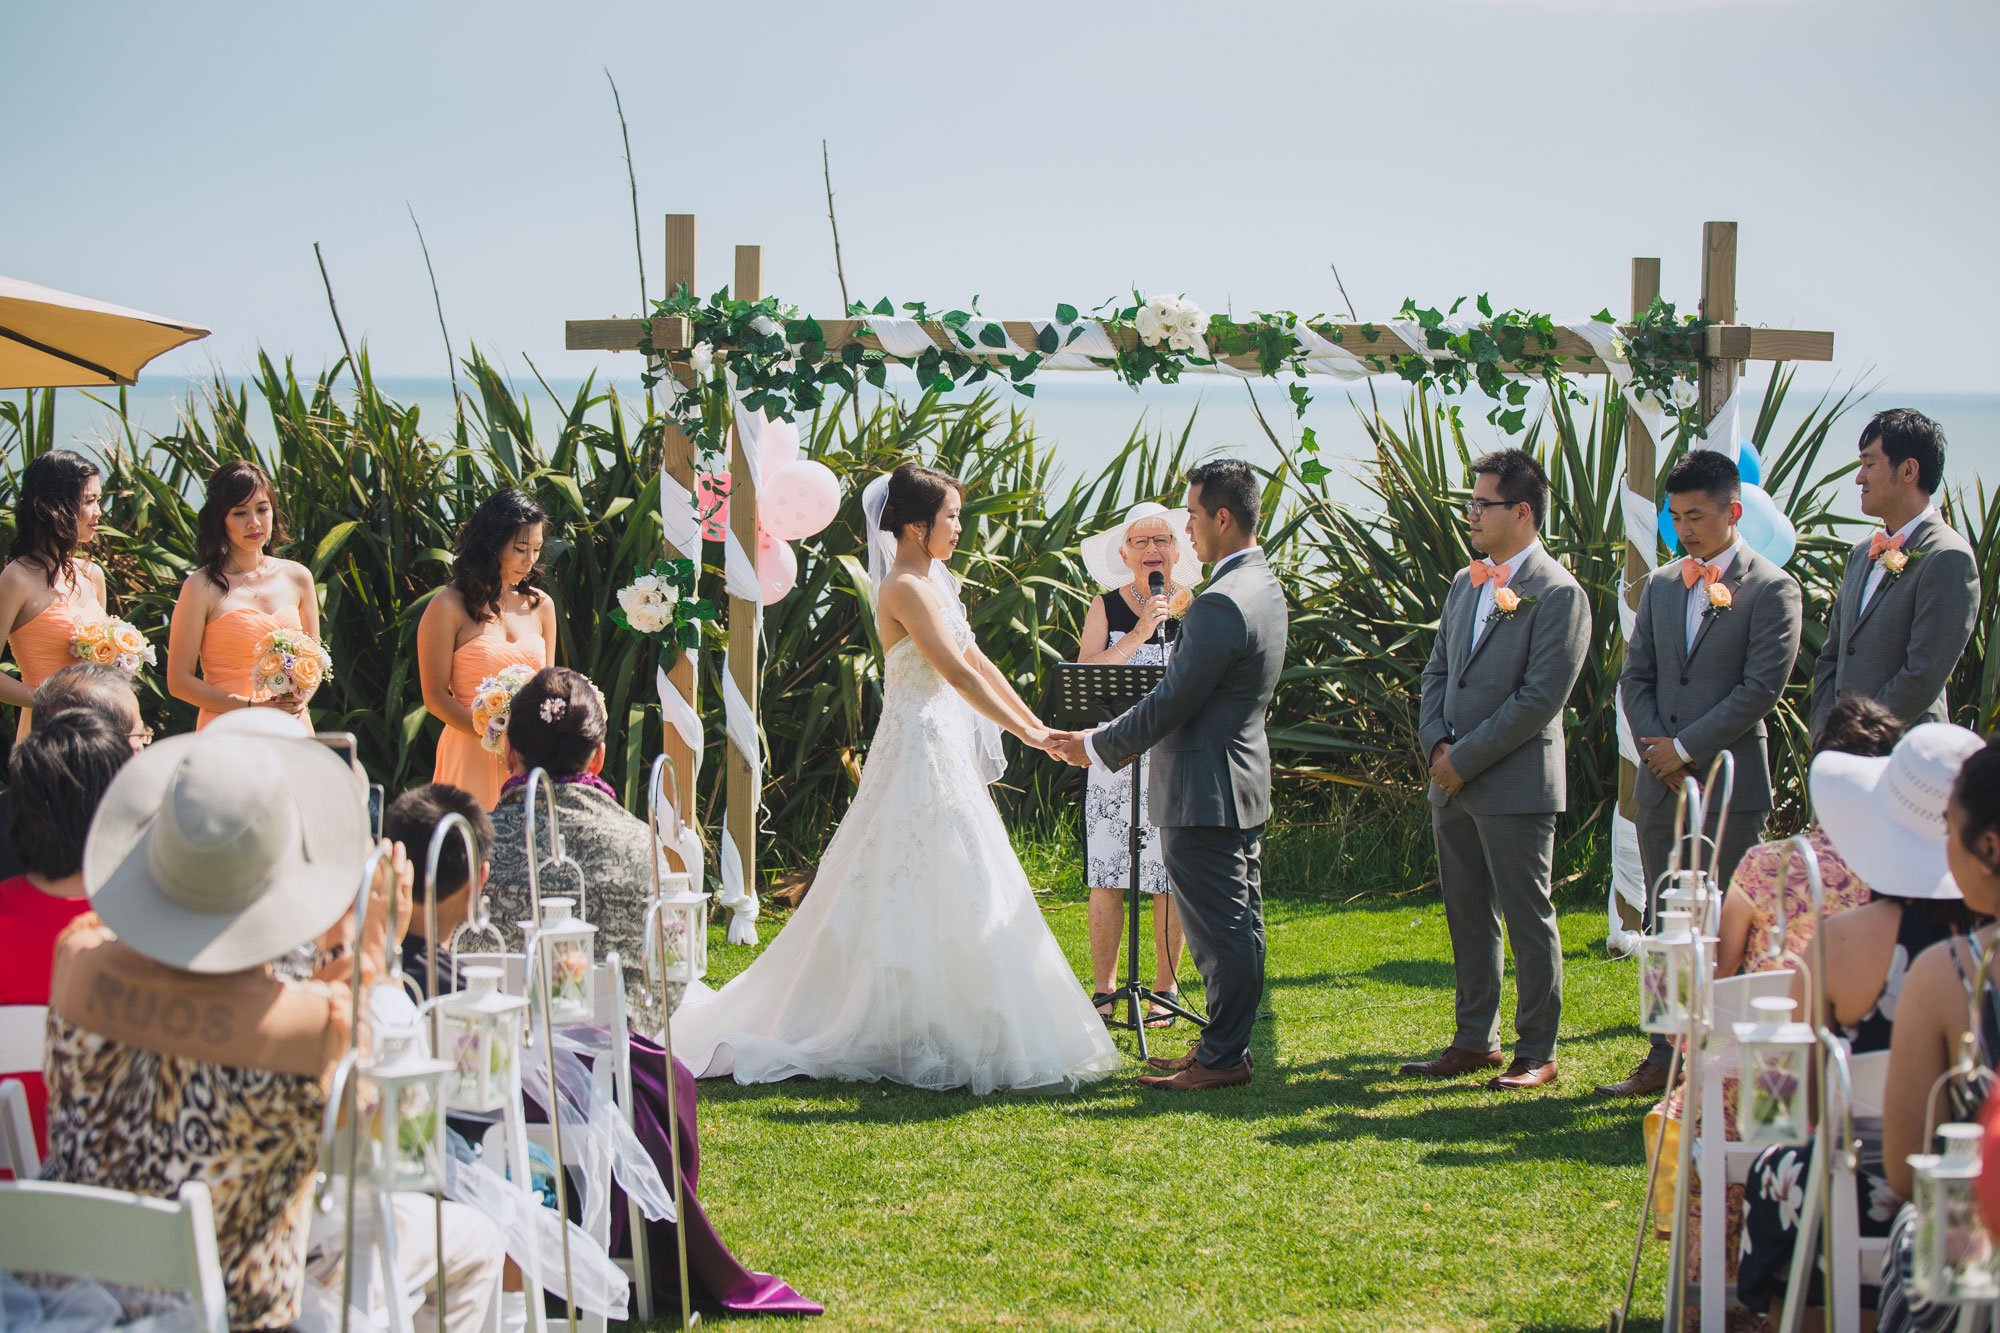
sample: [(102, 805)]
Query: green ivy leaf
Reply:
[(1313, 472), (1065, 313), (1604, 316), (993, 335), (877, 373), (1300, 397), (1485, 306), (1026, 387), (882, 307), (1512, 420), (1308, 441)]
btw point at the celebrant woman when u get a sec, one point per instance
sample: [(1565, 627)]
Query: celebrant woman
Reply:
[(1129, 625), (239, 594), (48, 591), (489, 617)]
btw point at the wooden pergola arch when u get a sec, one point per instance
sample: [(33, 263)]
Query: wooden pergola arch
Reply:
[(1728, 345)]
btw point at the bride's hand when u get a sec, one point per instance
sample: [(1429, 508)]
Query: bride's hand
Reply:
[(1041, 738)]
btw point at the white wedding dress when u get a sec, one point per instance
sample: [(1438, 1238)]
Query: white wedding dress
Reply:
[(919, 954)]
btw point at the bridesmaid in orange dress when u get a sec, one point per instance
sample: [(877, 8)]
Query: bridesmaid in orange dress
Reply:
[(238, 594), (48, 591), (490, 616)]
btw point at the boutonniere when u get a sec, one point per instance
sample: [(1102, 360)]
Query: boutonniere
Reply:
[(1507, 604), (1720, 599), (1896, 560)]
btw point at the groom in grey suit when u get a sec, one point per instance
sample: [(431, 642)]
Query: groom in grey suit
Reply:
[(1509, 647), (1713, 646), (1910, 593), (1210, 793)]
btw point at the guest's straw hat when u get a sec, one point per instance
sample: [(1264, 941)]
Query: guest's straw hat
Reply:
[(1886, 816), (1100, 550), (217, 853)]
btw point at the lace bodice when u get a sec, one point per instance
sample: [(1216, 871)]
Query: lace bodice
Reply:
[(921, 706)]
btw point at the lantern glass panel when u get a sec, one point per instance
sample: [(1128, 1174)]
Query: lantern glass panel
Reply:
[(403, 1128), (482, 1039), (563, 969), (683, 927), (1666, 966), (1771, 1084), (1955, 1256)]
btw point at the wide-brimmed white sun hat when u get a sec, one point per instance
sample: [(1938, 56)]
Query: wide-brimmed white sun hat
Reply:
[(259, 722), (217, 853), (1100, 549), (1886, 816)]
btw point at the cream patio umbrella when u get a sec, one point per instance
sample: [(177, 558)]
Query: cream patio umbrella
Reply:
[(50, 339)]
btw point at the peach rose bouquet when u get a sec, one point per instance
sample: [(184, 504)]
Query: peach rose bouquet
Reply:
[(114, 643), (291, 661), (493, 704)]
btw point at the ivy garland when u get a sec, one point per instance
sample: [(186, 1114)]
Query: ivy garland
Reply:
[(781, 365)]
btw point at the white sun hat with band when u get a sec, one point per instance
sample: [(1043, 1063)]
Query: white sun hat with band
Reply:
[(1886, 816), (1100, 549), (217, 853)]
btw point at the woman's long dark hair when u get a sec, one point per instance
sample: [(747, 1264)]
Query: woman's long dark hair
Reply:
[(475, 571), (45, 513), (234, 483)]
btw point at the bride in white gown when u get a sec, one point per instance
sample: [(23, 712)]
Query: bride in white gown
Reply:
[(919, 954)]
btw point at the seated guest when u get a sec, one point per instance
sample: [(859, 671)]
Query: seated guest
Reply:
[(174, 1052), (60, 770), (81, 685), (557, 724), (717, 1276), (1931, 1021)]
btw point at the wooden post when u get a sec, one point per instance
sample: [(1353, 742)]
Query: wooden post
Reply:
[(1718, 306), (679, 462), (1641, 465), (745, 617)]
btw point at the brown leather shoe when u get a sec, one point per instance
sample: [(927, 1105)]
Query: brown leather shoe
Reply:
[(1198, 1077), (1173, 1064), (1647, 1080), (1524, 1074), (1453, 1062)]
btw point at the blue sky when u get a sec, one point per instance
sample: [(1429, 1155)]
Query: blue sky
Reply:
[(184, 158)]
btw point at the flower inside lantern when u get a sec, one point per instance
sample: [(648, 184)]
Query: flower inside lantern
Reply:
[(402, 1129), (559, 962), (1666, 974), (482, 1036), (1954, 1253), (1771, 1088)]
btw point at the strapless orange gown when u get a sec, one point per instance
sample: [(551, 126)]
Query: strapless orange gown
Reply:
[(41, 646), (229, 651), (460, 760)]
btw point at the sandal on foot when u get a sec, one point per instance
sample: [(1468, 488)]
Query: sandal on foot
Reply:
[(1098, 1000), (1163, 1018)]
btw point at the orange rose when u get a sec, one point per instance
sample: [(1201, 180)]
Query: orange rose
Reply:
[(1506, 600), (104, 652), (306, 673), (1720, 597), (128, 639), (271, 664), (1178, 604)]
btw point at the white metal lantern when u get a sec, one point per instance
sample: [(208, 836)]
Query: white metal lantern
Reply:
[(1666, 974), (1954, 1254), (559, 962), (402, 1132), (481, 1029), (677, 933), (1689, 891), (1771, 1087)]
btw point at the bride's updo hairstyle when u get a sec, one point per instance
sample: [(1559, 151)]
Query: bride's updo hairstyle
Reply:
[(916, 493), (556, 721)]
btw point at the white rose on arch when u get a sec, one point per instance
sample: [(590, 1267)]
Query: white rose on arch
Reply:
[(702, 360), (1148, 323), (1682, 395)]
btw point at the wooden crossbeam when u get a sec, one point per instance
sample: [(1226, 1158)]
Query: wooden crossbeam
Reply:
[(1732, 342)]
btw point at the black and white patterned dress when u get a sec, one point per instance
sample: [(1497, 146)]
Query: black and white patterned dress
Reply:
[(1107, 799)]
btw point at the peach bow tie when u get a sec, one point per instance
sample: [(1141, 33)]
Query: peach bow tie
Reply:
[(1693, 572), (1881, 542), (1484, 573)]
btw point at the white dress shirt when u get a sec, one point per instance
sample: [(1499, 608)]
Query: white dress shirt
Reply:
[(1483, 609), (1213, 575), (1698, 603), (1876, 575)]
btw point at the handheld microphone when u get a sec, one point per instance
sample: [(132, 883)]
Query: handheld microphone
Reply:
[(1157, 585)]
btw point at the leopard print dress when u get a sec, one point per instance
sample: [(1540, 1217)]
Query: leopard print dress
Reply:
[(128, 1119)]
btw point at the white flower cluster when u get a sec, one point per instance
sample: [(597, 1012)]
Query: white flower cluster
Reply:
[(648, 603), (1678, 396), (1174, 320)]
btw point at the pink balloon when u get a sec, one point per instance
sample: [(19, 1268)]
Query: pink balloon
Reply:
[(781, 445), (798, 501), (777, 567), (711, 492)]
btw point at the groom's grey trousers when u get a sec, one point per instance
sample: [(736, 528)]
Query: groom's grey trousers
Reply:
[(1217, 875)]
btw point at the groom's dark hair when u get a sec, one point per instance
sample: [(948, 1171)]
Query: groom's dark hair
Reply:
[(1708, 471), (1522, 481), (1228, 483)]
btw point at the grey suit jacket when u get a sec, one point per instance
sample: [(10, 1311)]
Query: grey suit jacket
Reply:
[(1500, 704), (1716, 697), (1212, 767), (1901, 647)]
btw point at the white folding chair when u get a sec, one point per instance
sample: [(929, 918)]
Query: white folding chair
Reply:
[(607, 982), (1857, 1259), (115, 1237), (18, 1153), (1718, 1160)]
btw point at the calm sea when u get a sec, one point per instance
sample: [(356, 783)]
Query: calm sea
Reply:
[(1088, 417)]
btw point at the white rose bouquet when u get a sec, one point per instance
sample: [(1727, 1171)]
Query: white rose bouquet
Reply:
[(660, 602), (1173, 320)]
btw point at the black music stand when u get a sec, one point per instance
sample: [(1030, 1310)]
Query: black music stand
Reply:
[(1079, 697)]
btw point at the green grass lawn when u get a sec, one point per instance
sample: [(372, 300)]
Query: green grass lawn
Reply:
[(1330, 1193)]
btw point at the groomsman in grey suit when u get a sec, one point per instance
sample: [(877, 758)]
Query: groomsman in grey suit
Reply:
[(1712, 648), (1509, 648), (1210, 792), (1907, 601)]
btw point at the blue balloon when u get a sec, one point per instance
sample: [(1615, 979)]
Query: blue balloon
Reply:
[(1763, 525), (1667, 533), (1749, 464)]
